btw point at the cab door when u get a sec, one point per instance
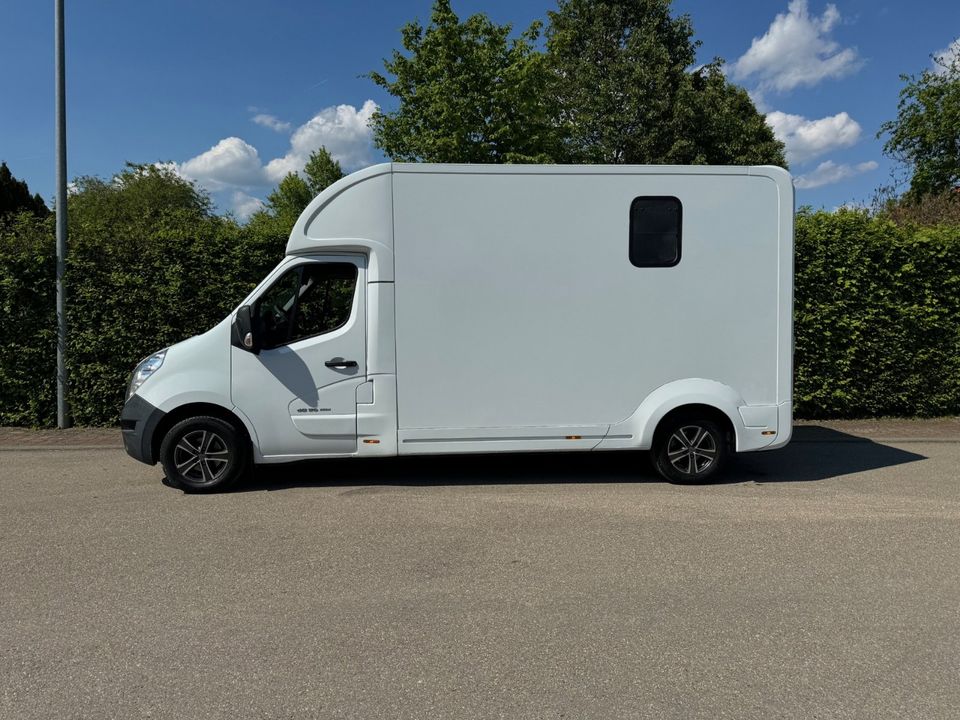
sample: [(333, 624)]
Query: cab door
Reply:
[(300, 390)]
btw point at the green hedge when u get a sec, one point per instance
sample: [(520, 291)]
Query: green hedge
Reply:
[(877, 305), (877, 311), (149, 265), (28, 321), (127, 296)]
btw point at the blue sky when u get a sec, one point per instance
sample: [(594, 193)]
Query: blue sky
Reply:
[(237, 93)]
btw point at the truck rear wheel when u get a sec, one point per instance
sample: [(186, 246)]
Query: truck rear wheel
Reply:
[(201, 454), (688, 449)]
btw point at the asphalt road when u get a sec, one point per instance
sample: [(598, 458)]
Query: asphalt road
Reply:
[(820, 581)]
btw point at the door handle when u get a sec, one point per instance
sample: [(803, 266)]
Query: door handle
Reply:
[(340, 363)]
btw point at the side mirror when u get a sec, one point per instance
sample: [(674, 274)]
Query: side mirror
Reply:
[(244, 334)]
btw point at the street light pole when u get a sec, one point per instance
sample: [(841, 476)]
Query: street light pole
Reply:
[(63, 418)]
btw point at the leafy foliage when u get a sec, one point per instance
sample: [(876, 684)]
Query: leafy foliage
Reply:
[(28, 332), (468, 93), (15, 196), (626, 96), (287, 201), (612, 86), (269, 228), (620, 67), (148, 265), (294, 193), (716, 123), (926, 134), (321, 170), (943, 208), (877, 317)]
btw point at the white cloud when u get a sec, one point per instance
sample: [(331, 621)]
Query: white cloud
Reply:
[(943, 59), (343, 130), (272, 122), (830, 172), (806, 139), (232, 162), (245, 205), (235, 164), (796, 50)]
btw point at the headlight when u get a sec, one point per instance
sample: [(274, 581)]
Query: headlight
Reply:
[(147, 367)]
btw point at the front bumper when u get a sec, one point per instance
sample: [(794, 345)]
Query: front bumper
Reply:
[(138, 424)]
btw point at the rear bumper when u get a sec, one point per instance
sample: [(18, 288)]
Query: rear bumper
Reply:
[(138, 424), (765, 427), (784, 426)]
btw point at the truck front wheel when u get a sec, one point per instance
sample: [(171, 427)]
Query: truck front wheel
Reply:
[(689, 449), (203, 453)]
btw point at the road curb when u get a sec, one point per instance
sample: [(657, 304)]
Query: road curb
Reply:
[(56, 448)]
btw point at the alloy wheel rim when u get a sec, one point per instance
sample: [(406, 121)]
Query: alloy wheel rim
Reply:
[(201, 456), (692, 449)]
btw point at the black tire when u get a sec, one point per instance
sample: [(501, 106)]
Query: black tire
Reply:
[(202, 454), (689, 449)]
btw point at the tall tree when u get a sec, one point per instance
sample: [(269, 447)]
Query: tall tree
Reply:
[(269, 228), (294, 193), (321, 170), (926, 134), (15, 195), (288, 200), (626, 94), (140, 196), (467, 93), (716, 123), (613, 86)]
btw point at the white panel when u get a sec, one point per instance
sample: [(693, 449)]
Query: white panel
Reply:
[(331, 415), (784, 426), (516, 304), (365, 393), (787, 203), (381, 344), (639, 428), (377, 421), (358, 206), (759, 416), (434, 441), (195, 370)]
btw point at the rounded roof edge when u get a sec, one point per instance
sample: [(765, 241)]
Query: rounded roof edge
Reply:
[(544, 169), (299, 230)]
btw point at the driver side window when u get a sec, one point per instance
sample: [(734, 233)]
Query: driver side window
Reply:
[(307, 301)]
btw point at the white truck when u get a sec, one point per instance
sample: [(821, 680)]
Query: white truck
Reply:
[(427, 309)]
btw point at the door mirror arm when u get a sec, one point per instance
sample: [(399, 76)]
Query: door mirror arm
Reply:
[(243, 333)]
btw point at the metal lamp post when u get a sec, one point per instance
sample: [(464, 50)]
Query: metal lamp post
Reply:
[(63, 418)]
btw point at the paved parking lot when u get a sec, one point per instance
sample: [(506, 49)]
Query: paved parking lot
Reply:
[(816, 581)]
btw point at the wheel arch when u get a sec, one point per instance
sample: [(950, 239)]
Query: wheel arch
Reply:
[(718, 400), (699, 411), (196, 409)]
